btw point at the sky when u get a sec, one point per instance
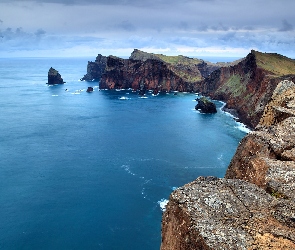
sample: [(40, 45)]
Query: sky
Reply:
[(196, 28)]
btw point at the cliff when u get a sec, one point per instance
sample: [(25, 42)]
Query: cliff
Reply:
[(149, 71), (95, 69), (248, 86), (54, 77), (253, 206)]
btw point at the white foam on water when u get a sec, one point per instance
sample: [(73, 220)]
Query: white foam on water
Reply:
[(123, 98), (242, 127), (127, 169), (54, 95), (163, 203), (174, 188), (143, 97)]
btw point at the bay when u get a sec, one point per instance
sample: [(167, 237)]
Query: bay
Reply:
[(85, 170)]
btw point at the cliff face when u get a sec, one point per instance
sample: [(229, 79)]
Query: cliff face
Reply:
[(143, 75), (95, 69), (253, 207), (266, 156), (247, 86), (148, 71)]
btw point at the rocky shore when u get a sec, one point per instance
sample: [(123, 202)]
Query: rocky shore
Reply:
[(253, 207)]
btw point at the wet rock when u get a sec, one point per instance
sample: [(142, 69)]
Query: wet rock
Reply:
[(89, 89)]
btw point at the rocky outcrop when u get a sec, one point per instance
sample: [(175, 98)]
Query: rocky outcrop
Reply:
[(95, 69), (54, 77), (212, 213), (266, 156), (248, 86), (205, 106), (253, 206)]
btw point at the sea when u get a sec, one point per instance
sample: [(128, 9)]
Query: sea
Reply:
[(83, 170)]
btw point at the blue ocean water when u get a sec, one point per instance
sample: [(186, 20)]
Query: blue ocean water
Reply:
[(85, 170)]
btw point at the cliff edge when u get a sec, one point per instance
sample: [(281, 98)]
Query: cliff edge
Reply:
[(253, 206)]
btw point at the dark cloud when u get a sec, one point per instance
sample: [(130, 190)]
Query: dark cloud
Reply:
[(127, 26), (286, 26), (40, 32)]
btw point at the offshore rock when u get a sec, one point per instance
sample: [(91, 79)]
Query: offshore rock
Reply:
[(248, 86), (212, 213), (95, 69), (89, 89), (54, 77), (205, 106)]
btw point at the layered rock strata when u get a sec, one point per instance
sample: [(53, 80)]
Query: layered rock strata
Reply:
[(54, 77), (253, 206)]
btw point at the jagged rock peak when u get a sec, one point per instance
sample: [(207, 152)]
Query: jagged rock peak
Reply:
[(54, 77)]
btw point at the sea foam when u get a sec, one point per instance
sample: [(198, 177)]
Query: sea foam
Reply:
[(163, 203)]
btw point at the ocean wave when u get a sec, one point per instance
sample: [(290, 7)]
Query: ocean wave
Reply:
[(242, 127), (163, 203), (54, 95), (143, 97)]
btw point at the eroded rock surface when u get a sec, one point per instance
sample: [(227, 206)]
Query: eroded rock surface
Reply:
[(212, 213)]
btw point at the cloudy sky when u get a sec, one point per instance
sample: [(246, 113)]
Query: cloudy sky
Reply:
[(172, 27)]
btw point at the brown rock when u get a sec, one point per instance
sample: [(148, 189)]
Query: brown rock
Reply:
[(211, 213)]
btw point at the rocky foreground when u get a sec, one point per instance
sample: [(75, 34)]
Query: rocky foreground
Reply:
[(253, 207)]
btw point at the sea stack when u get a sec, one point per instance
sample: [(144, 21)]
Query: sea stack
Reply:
[(54, 77), (205, 106)]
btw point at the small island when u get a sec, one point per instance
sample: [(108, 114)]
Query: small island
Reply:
[(205, 106), (54, 77)]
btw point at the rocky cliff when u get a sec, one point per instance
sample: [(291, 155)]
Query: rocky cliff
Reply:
[(248, 86), (95, 69), (253, 206), (149, 71)]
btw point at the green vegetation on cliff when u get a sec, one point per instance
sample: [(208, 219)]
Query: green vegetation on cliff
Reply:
[(234, 85), (274, 63)]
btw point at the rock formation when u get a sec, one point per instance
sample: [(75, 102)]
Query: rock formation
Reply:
[(89, 89), (147, 71), (205, 106), (253, 207), (95, 69), (54, 77)]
